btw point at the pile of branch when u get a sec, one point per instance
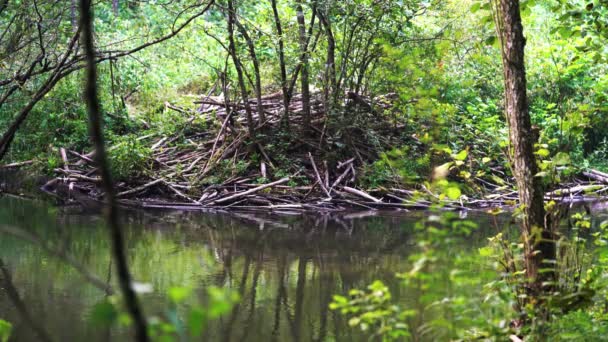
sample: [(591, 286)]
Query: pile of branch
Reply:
[(183, 164)]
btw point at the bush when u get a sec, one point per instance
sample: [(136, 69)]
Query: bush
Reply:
[(128, 157)]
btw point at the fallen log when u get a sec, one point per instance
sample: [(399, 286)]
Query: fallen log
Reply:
[(574, 190), (248, 192), (360, 193), (140, 188), (597, 176)]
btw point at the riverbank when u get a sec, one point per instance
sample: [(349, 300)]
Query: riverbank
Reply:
[(213, 162)]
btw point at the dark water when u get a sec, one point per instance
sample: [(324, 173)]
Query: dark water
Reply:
[(285, 267)]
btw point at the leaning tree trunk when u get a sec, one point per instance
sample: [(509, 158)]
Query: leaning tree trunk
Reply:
[(238, 68), (538, 241)]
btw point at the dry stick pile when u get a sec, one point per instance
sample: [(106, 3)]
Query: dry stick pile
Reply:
[(178, 171)]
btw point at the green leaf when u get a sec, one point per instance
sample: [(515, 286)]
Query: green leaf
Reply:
[(103, 313), (462, 155), (196, 321), (453, 192), (476, 6), (543, 152), (561, 158), (490, 40), (5, 330), (178, 294)]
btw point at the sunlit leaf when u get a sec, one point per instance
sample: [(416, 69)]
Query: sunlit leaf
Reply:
[(5, 330)]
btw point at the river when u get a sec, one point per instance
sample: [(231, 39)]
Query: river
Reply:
[(286, 267)]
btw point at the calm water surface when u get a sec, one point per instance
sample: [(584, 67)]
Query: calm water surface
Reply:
[(285, 267)]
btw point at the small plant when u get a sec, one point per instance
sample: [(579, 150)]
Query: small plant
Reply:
[(372, 311), (129, 157), (175, 323)]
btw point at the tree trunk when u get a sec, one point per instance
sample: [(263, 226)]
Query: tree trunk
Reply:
[(330, 91), (538, 240), (284, 86), (119, 249), (304, 63), (256, 71), (73, 18), (239, 71)]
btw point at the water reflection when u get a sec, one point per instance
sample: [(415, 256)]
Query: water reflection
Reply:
[(285, 267)]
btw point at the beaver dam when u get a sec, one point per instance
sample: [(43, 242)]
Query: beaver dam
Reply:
[(215, 163)]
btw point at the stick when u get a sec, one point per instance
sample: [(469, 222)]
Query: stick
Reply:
[(64, 158), (19, 164), (337, 181), (139, 188), (321, 183), (263, 169), (345, 163), (249, 192), (361, 194), (179, 193), (85, 158)]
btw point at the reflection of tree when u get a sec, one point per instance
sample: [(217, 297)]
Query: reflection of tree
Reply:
[(13, 294), (237, 307), (297, 321), (254, 287), (281, 293), (322, 255)]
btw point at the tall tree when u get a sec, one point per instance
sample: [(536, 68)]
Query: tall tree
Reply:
[(304, 63), (330, 91), (256, 71), (538, 240), (284, 84)]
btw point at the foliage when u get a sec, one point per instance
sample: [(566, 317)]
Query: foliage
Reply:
[(129, 157), (180, 321), (373, 311), (574, 310), (5, 330)]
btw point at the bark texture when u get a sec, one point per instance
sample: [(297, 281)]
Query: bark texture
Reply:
[(538, 240)]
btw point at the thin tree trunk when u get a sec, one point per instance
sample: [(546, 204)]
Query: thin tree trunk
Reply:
[(538, 240), (73, 17), (96, 131), (256, 71), (284, 86), (304, 63), (330, 91), (115, 7), (239, 70)]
